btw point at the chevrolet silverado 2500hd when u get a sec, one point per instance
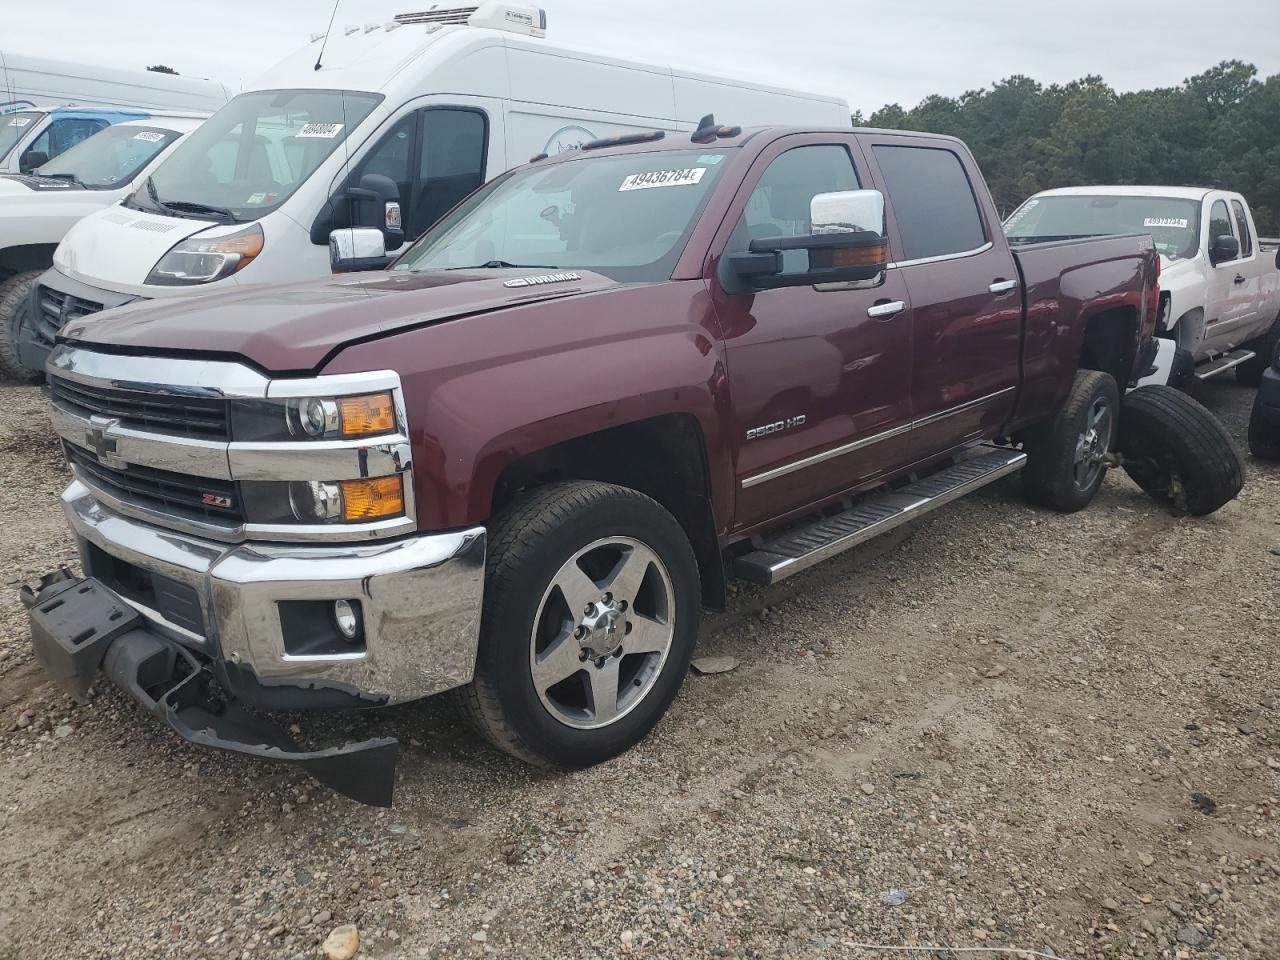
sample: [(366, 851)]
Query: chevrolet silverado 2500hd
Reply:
[(518, 462)]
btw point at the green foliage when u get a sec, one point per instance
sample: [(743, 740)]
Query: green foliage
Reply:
[(1218, 129)]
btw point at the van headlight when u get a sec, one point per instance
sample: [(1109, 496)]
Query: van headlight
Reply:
[(199, 260)]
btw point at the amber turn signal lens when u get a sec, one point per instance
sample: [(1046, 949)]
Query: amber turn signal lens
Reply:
[(371, 413), (372, 499), (860, 256)]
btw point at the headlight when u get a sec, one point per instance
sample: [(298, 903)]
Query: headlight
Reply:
[(323, 501), (314, 418), (199, 260)]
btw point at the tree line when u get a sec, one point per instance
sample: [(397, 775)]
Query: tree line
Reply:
[(1218, 129)]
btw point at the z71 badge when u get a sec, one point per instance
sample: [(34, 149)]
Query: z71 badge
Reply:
[(755, 433)]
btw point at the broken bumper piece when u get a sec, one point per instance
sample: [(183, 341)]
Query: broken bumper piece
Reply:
[(79, 626)]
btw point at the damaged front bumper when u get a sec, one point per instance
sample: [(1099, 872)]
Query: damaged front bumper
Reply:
[(78, 626), (204, 633)]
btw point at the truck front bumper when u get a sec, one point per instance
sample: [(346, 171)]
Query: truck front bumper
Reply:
[(252, 619)]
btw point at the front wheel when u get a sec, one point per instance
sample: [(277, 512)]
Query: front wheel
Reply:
[(590, 616), (15, 299), (1066, 457)]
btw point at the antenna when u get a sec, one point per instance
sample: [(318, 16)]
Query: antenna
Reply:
[(320, 55)]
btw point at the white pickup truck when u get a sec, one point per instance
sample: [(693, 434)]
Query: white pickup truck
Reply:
[(37, 209), (1220, 283)]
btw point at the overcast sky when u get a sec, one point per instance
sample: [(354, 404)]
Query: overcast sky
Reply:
[(869, 53)]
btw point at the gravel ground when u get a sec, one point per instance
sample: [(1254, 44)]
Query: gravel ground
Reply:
[(1060, 734)]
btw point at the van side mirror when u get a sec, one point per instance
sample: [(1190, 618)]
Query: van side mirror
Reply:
[(376, 204), (846, 244), (1224, 249), (353, 249), (32, 160)]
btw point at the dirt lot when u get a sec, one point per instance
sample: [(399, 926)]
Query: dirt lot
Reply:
[(1055, 733)]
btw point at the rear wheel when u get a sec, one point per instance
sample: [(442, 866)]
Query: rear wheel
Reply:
[(590, 617), (1264, 436), (1178, 452), (15, 301), (1066, 457), (1264, 349)]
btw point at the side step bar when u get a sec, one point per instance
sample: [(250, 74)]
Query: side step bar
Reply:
[(1224, 363), (800, 549)]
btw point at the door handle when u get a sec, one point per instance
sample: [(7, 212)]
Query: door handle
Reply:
[(1003, 286), (1240, 278), (886, 311)]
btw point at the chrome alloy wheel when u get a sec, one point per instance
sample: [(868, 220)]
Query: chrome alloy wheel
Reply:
[(1092, 445), (602, 633)]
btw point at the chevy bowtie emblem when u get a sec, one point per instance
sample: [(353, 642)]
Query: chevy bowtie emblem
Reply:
[(99, 440), (540, 280)]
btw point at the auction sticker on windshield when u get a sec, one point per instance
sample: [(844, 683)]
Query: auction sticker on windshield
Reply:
[(1166, 222), (662, 178), (19, 121), (319, 131), (149, 136)]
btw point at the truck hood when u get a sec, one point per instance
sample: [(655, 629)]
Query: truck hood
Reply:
[(23, 185), (32, 212), (295, 327)]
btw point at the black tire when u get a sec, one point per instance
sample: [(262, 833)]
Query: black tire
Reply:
[(532, 542), (1178, 452), (1249, 373), (15, 299), (1264, 436), (1055, 476)]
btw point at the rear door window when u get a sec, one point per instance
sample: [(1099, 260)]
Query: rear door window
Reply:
[(933, 201), (1242, 226)]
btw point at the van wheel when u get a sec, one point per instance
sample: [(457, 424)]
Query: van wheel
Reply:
[(1177, 451), (1264, 436), (1066, 457), (1249, 373), (15, 301), (590, 615)]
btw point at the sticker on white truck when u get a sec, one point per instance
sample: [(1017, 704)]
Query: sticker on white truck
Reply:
[(319, 131), (19, 121), (662, 178), (149, 136), (1166, 222)]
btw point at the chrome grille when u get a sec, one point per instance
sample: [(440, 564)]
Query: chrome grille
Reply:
[(56, 308), (201, 417), (172, 493)]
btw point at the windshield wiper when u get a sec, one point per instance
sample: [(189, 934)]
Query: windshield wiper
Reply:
[(504, 265), (191, 206)]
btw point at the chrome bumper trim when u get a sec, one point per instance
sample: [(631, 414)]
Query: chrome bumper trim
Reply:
[(421, 598)]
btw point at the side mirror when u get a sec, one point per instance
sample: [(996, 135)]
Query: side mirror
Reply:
[(1223, 249), (32, 160), (353, 249), (376, 204), (846, 244)]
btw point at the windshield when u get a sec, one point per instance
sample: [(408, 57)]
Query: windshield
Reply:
[(626, 217), (109, 158), (250, 156), (13, 127), (1173, 224)]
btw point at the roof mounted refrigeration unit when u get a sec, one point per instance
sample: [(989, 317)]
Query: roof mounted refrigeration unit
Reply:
[(511, 17)]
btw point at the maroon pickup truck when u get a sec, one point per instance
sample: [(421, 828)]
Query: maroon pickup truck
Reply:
[(518, 462)]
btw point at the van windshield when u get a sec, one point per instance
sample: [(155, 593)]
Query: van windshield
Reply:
[(250, 156), (109, 158), (15, 126), (627, 217), (1173, 223)]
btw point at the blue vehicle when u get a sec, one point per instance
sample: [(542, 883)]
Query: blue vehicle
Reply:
[(32, 136)]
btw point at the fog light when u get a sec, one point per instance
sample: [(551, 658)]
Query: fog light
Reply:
[(346, 617)]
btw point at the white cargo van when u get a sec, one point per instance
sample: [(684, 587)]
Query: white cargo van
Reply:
[(27, 82), (385, 125)]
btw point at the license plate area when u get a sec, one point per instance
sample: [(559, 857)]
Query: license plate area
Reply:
[(176, 602), (71, 628)]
